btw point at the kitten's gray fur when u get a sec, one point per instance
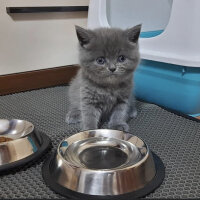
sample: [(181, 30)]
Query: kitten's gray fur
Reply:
[(96, 92)]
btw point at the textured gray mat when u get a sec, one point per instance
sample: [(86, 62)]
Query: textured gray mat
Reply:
[(175, 139)]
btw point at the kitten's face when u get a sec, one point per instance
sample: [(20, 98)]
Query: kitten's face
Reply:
[(109, 53)]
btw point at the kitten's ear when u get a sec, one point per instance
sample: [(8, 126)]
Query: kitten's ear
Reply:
[(84, 35), (134, 33)]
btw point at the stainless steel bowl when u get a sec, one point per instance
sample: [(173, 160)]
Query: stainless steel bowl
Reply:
[(101, 162), (18, 141)]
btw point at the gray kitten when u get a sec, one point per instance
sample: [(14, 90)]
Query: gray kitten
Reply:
[(103, 86)]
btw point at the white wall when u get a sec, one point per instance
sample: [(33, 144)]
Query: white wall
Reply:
[(153, 14), (38, 40)]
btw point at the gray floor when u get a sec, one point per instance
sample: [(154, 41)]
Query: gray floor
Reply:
[(175, 139)]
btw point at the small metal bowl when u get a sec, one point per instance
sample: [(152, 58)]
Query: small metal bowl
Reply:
[(20, 143), (103, 163)]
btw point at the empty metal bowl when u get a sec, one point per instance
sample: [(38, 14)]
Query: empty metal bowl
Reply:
[(19, 143), (103, 163)]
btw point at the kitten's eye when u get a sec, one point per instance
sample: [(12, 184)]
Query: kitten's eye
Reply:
[(121, 58), (101, 60)]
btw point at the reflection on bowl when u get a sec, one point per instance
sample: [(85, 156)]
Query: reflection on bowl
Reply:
[(18, 140), (15, 128)]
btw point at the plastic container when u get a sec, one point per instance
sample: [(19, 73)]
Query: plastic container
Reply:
[(172, 86)]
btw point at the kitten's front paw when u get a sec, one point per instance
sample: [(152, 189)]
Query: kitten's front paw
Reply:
[(133, 114), (121, 127), (73, 116)]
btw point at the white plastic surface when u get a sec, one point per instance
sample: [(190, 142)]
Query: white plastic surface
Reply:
[(120, 15), (97, 14), (180, 42)]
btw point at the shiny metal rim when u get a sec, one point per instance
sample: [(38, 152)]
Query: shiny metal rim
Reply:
[(70, 148), (15, 128), (23, 140), (102, 162)]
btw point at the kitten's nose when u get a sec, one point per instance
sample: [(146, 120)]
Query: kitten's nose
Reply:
[(112, 69)]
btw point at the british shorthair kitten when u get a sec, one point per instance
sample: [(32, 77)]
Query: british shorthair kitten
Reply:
[(103, 86)]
